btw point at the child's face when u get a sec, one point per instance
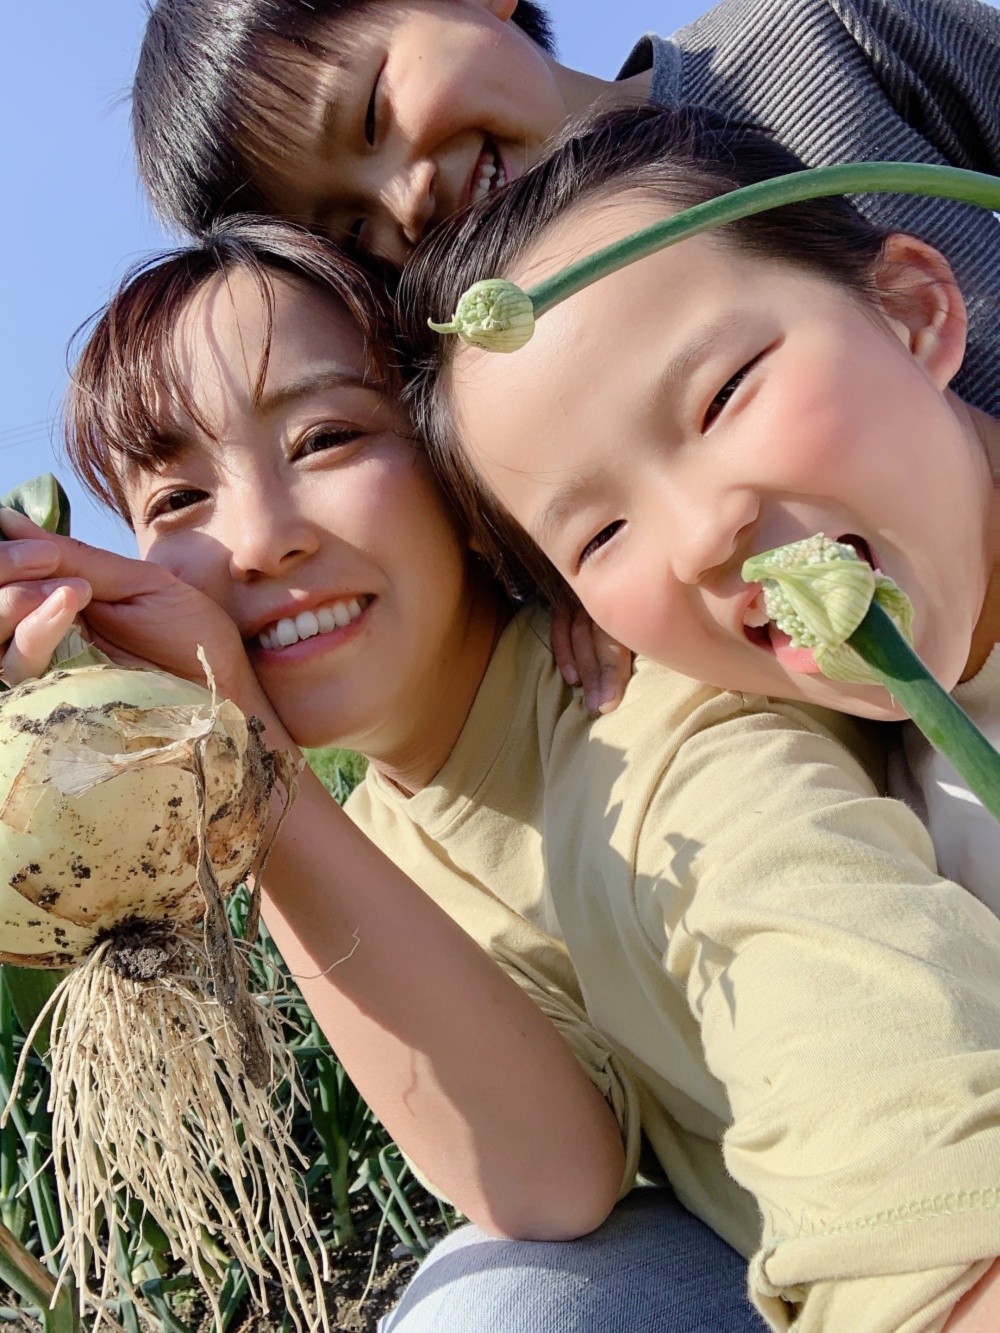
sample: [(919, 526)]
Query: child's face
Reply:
[(701, 406), (311, 511), (434, 103)]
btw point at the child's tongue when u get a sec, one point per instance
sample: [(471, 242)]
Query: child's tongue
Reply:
[(797, 660)]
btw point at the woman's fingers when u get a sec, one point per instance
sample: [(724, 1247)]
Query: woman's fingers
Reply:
[(37, 634), (18, 600)]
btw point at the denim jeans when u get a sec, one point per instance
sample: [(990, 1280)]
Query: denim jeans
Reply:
[(651, 1268)]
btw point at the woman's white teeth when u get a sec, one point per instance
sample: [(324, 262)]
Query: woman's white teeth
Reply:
[(307, 624)]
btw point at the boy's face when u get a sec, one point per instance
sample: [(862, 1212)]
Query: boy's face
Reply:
[(431, 104), (310, 518), (701, 406)]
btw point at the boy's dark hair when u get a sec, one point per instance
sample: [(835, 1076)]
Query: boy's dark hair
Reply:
[(127, 374), (679, 156), (195, 94)]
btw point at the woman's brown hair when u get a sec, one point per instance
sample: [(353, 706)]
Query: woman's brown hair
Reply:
[(127, 375)]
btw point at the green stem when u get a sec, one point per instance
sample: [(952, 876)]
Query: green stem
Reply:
[(935, 712), (970, 187), (32, 1282)]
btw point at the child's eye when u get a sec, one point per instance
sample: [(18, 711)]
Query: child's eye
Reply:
[(600, 540), (172, 502), (328, 437), (370, 112), (726, 392)]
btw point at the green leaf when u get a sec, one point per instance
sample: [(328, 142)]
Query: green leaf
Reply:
[(44, 501), (30, 989)]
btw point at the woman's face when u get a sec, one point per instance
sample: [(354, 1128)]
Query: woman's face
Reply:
[(701, 406), (312, 518)]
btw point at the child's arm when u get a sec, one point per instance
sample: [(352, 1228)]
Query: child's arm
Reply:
[(473, 1081)]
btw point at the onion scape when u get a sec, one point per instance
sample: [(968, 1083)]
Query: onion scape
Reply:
[(131, 804), (859, 625)]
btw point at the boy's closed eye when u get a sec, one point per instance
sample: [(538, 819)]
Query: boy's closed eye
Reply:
[(371, 111)]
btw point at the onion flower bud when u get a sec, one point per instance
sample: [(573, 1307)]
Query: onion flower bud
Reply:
[(818, 591), (859, 625), (493, 314)]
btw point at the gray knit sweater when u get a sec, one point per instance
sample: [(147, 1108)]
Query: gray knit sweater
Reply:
[(856, 80)]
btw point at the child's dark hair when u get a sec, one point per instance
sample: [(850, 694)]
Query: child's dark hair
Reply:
[(200, 94), (678, 156), (127, 374)]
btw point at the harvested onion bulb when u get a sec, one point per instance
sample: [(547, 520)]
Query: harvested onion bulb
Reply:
[(131, 803)]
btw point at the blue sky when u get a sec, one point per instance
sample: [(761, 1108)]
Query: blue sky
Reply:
[(74, 217)]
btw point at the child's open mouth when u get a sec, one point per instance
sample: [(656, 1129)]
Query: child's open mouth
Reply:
[(488, 173), (762, 632)]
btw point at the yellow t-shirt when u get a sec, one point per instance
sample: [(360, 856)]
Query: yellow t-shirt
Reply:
[(752, 955)]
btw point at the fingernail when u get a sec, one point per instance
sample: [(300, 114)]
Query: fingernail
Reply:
[(608, 700), (55, 606), (570, 674), (32, 554)]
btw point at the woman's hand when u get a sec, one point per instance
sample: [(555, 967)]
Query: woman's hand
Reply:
[(134, 611), (586, 656)]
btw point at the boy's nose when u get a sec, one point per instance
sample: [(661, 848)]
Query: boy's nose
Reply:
[(411, 200)]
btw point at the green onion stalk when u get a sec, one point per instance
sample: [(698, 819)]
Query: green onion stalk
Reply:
[(807, 583), (497, 315)]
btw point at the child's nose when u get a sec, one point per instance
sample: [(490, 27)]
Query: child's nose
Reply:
[(708, 533)]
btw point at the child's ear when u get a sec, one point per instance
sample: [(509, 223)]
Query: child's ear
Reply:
[(918, 292)]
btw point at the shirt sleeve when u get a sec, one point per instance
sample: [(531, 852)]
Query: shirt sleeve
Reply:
[(849, 1002)]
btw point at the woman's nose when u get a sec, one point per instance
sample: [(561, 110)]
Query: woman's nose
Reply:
[(267, 542)]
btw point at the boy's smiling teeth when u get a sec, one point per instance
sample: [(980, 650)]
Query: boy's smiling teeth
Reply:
[(290, 629), (488, 175)]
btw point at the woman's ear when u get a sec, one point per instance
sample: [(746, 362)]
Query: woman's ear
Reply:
[(918, 292)]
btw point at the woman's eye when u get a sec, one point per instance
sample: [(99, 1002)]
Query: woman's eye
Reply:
[(328, 438), (173, 501), (600, 540)]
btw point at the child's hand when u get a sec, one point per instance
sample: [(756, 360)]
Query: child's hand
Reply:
[(587, 656), (135, 612)]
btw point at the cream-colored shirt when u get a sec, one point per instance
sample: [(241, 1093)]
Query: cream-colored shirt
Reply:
[(754, 958)]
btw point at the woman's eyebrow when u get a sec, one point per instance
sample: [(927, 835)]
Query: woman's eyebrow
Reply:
[(312, 382)]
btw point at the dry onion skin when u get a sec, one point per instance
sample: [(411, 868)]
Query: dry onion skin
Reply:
[(131, 803)]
